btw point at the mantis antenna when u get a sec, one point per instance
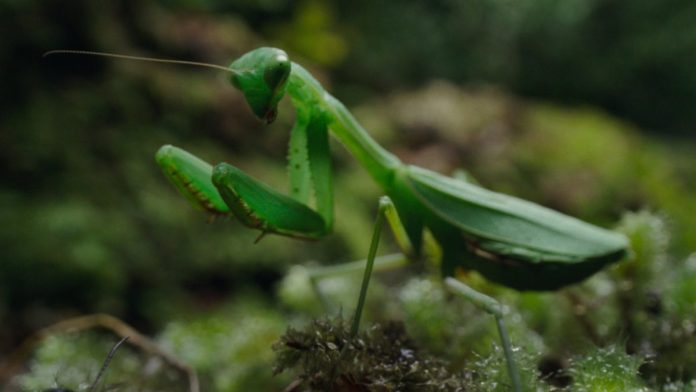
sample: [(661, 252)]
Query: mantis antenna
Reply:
[(139, 58)]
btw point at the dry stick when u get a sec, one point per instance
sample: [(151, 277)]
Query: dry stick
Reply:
[(13, 364)]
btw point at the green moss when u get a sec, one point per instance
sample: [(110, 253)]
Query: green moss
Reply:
[(230, 347), (679, 386), (447, 329), (73, 360), (489, 373), (607, 370)]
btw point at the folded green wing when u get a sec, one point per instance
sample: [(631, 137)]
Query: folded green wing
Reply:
[(505, 225)]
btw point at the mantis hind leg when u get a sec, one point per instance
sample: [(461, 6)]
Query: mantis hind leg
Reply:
[(494, 308)]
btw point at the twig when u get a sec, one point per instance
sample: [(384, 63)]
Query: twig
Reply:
[(15, 361)]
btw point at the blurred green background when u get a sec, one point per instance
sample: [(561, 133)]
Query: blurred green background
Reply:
[(583, 106)]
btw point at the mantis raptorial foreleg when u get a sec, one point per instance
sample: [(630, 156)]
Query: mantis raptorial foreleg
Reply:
[(192, 177)]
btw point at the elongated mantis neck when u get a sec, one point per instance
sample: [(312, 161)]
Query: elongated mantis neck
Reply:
[(308, 95)]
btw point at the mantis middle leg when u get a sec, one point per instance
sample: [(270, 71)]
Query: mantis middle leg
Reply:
[(386, 211)]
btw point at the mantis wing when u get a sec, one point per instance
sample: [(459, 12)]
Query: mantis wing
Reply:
[(508, 226), (510, 241)]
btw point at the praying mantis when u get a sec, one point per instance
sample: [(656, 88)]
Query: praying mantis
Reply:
[(509, 241)]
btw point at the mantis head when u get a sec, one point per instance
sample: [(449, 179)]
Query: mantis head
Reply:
[(261, 75)]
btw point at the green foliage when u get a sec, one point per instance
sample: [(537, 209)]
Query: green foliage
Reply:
[(312, 32), (681, 290), (73, 361), (657, 306), (605, 53), (489, 373), (455, 330), (231, 347), (650, 240), (608, 369), (680, 386)]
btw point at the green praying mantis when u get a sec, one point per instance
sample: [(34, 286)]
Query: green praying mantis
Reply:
[(509, 241)]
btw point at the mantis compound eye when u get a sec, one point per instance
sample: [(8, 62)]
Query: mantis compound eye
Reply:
[(277, 71)]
